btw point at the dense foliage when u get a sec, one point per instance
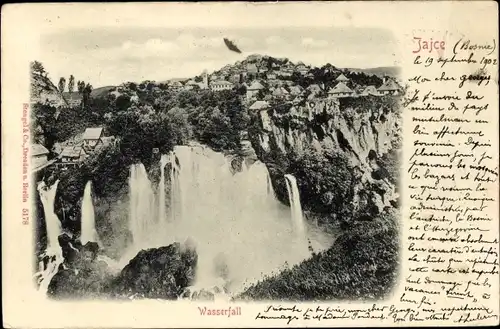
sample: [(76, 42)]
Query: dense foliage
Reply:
[(325, 179)]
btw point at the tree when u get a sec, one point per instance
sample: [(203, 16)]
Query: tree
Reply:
[(62, 84), (84, 90), (44, 118), (71, 83), (37, 68), (87, 89), (122, 103), (80, 86)]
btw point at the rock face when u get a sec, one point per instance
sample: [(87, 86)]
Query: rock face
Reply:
[(81, 275), (363, 130), (157, 273), (43, 91)]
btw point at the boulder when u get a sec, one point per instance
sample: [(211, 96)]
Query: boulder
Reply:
[(157, 273)]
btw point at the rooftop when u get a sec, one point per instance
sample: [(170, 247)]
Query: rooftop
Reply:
[(259, 105), (252, 68), (370, 90), (314, 88), (342, 77), (71, 151), (38, 149), (92, 133), (340, 88), (389, 85), (222, 82), (280, 91), (256, 85)]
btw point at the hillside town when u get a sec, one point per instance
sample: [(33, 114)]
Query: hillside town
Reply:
[(261, 82)]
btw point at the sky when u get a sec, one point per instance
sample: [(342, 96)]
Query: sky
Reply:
[(111, 56)]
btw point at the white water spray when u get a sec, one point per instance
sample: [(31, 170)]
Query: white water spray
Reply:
[(161, 187), (89, 233), (296, 208), (240, 230), (53, 228), (142, 217)]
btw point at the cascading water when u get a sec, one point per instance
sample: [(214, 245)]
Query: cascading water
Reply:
[(89, 233), (295, 205), (241, 231), (161, 189), (174, 185), (53, 227), (142, 218)]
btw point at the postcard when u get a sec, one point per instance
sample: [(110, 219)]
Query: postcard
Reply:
[(222, 165)]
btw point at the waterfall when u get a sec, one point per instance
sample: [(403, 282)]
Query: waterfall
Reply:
[(161, 187), (232, 216), (141, 219), (240, 230), (296, 208), (174, 185), (89, 233), (53, 252)]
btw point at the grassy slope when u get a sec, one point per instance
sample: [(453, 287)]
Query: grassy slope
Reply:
[(101, 91)]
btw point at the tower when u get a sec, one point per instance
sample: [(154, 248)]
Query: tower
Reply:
[(205, 79)]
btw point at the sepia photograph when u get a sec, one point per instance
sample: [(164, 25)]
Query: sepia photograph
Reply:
[(236, 164)]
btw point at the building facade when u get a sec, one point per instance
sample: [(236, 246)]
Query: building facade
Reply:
[(221, 85)]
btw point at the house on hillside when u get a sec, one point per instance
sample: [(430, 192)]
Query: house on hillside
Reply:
[(190, 85), (296, 90), (252, 71), (314, 89), (175, 85), (73, 99), (271, 75), (235, 78), (300, 65), (285, 72), (221, 85), (340, 90), (301, 68), (281, 92), (342, 78), (71, 155), (390, 87), (92, 138), (370, 91), (38, 155), (254, 89), (259, 105), (262, 108)]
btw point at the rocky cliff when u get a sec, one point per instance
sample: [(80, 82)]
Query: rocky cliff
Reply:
[(364, 132), (43, 91)]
